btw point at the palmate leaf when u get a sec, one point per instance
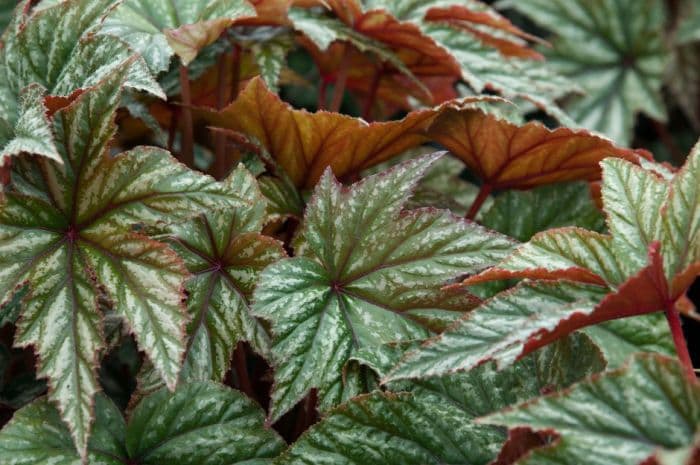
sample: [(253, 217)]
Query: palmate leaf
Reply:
[(614, 49), (194, 425), (159, 29), (623, 277), (303, 144), (431, 421), (66, 229), (225, 252), (506, 155), (50, 50), (384, 285), (618, 417)]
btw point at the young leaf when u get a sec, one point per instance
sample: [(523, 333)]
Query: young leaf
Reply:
[(70, 230), (52, 50), (194, 425), (304, 144), (382, 286), (225, 252), (432, 423), (615, 50), (158, 29), (618, 417), (505, 155)]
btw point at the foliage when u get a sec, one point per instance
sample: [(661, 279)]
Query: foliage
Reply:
[(229, 232)]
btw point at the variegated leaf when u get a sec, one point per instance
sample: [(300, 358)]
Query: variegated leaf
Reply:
[(384, 285)]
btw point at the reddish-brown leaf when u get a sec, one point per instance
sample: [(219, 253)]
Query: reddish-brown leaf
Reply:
[(505, 155), (305, 143), (511, 44)]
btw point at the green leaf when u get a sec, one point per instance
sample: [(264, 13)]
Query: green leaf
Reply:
[(384, 285), (53, 49), (483, 68), (36, 435), (225, 253), (495, 330), (521, 214), (618, 339), (431, 421), (618, 417), (69, 228), (270, 56), (200, 423), (614, 49), (158, 29)]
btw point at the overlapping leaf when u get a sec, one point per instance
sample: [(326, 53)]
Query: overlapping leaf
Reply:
[(505, 155), (66, 229), (382, 286), (194, 425), (619, 417), (304, 144), (615, 50), (50, 50), (225, 252), (431, 421), (645, 265), (159, 29)]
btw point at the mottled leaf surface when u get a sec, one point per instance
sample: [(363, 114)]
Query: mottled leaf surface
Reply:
[(200, 423), (158, 29), (225, 253), (431, 421), (383, 286), (614, 49), (52, 50), (621, 416), (68, 229)]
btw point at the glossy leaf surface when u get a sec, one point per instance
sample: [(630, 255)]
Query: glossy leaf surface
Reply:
[(618, 417), (384, 286), (431, 421), (192, 426), (69, 227)]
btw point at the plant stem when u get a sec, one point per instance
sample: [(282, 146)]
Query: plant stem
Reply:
[(341, 80), (235, 71), (241, 367), (372, 96), (187, 142), (321, 99), (219, 167), (479, 201), (174, 113), (674, 322)]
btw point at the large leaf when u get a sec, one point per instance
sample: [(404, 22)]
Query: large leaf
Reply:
[(158, 29), (642, 209), (619, 417), (431, 421), (615, 50), (69, 228), (51, 49), (192, 426), (382, 286), (303, 144), (225, 252), (662, 215), (505, 155)]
